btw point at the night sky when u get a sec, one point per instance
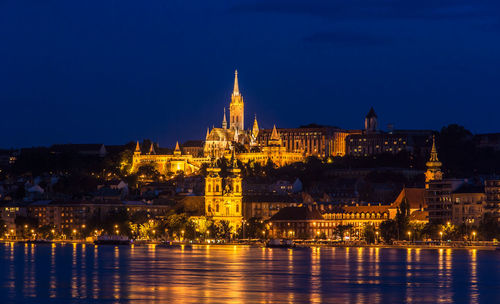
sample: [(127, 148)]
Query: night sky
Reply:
[(116, 71)]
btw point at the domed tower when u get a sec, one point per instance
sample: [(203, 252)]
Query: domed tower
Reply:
[(433, 172), (371, 123), (236, 108)]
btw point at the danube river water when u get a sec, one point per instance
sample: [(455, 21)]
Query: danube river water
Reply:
[(77, 273)]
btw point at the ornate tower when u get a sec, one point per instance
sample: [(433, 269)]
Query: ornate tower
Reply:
[(371, 121), (275, 139), (137, 150), (177, 150), (213, 191), (433, 172), (236, 108), (255, 128)]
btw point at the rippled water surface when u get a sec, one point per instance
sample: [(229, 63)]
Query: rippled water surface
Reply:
[(76, 273)]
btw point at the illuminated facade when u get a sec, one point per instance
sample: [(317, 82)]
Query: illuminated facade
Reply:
[(223, 196), (319, 141), (221, 142), (372, 141), (433, 172), (167, 163)]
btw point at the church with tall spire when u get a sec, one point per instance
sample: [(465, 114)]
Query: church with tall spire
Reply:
[(230, 140), (433, 172), (220, 142)]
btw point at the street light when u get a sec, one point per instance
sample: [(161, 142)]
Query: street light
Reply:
[(409, 235), (473, 235), (441, 233)]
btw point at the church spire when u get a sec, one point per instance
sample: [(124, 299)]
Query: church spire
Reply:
[(236, 89), (208, 133), (152, 149), (255, 128), (137, 148), (433, 165), (224, 121), (434, 153), (177, 150), (275, 139)]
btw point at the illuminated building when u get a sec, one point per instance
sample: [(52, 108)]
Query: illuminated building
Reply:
[(433, 172), (468, 204), (223, 196), (167, 163), (274, 151), (372, 141), (438, 191), (312, 140), (321, 219), (220, 142)]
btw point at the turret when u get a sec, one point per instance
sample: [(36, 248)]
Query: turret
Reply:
[(137, 150), (152, 149), (275, 139), (255, 128), (177, 150)]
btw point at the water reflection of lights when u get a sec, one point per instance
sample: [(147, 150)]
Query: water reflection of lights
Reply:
[(52, 277), (116, 273), (225, 274), (95, 274), (74, 283), (474, 292), (315, 295)]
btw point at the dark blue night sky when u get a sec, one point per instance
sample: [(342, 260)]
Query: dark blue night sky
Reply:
[(117, 71)]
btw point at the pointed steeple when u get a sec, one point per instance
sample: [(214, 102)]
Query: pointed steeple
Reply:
[(255, 128), (275, 139), (433, 165), (177, 150), (137, 148), (224, 121), (208, 133), (434, 153), (236, 89), (152, 149), (274, 134)]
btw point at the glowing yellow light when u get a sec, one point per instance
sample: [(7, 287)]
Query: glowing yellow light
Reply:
[(74, 230)]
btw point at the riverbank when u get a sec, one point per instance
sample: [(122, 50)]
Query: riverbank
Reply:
[(297, 245)]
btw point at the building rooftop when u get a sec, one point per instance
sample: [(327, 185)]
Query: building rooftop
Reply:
[(297, 214)]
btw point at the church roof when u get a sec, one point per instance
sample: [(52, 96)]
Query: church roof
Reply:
[(415, 197)]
